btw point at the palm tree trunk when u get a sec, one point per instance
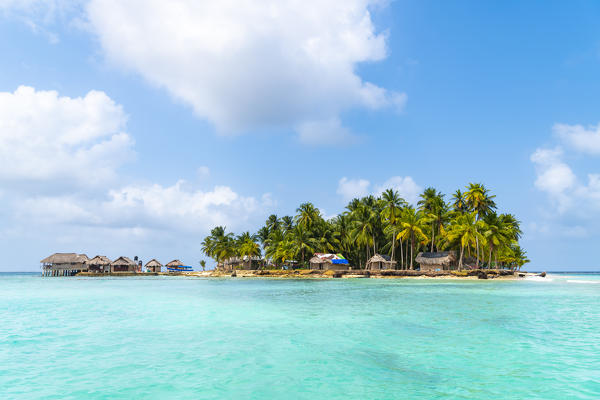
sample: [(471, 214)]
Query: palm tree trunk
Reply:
[(432, 235), (393, 243), (401, 256), (374, 249), (460, 263), (490, 258), (412, 249), (477, 245)]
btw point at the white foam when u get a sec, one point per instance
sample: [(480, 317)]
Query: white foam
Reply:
[(538, 279), (583, 281)]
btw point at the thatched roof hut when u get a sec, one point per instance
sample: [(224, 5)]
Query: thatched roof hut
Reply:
[(65, 258), (436, 261), (153, 266), (123, 264), (174, 263), (323, 261), (98, 264), (380, 261), (98, 261)]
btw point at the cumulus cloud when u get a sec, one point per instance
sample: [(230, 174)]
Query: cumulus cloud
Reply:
[(556, 178), (246, 65), (351, 188), (406, 187), (47, 138), (147, 207), (61, 159), (580, 138)]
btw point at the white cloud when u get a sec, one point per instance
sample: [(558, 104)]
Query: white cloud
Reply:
[(147, 207), (585, 140), (246, 65), (351, 188), (61, 140), (565, 190), (406, 187), (328, 131)]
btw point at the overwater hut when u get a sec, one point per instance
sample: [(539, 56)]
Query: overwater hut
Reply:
[(436, 261), (123, 264), (322, 261), (380, 261), (98, 265), (64, 264), (153, 266)]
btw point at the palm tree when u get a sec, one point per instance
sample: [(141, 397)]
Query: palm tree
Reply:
[(308, 215), (287, 223), (303, 241), (497, 234), (432, 203), (463, 229), (480, 201), (249, 248), (203, 264), (391, 213), (458, 202), (362, 232), (413, 226)]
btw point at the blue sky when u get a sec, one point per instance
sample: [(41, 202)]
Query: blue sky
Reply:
[(130, 130)]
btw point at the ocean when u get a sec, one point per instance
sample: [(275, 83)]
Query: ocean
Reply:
[(248, 338)]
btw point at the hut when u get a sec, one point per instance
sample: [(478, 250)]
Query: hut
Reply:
[(379, 262), (321, 261), (153, 266), (64, 264), (98, 265), (436, 261), (177, 266), (123, 264)]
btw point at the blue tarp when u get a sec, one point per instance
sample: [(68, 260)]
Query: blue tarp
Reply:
[(339, 261)]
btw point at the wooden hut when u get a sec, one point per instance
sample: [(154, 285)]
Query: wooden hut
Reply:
[(437, 261), (153, 266), (328, 261), (123, 264), (64, 264), (98, 265), (379, 262)]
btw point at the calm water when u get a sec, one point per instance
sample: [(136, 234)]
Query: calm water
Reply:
[(161, 338)]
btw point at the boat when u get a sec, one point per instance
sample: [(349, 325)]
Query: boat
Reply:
[(180, 268)]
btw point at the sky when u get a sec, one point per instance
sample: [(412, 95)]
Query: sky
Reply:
[(132, 128)]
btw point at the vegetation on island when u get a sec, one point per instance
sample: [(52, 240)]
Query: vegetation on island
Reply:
[(468, 224)]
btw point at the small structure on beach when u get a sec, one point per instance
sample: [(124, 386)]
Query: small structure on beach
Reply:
[(323, 261), (98, 265), (436, 261), (380, 262), (64, 264), (153, 266), (177, 266), (123, 264)]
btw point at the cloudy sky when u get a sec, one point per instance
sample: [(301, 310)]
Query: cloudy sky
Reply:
[(131, 128)]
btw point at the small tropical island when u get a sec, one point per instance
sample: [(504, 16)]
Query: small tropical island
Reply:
[(379, 236)]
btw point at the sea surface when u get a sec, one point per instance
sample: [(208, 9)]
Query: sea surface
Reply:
[(248, 338)]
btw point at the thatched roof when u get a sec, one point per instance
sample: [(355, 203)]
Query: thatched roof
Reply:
[(153, 263), (98, 260), (175, 263), (65, 258), (123, 261), (437, 258), (381, 258), (319, 260)]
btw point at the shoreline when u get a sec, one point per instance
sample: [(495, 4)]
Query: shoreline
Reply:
[(332, 274)]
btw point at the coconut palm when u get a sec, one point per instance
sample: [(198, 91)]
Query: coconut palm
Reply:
[(480, 201), (433, 205), (203, 264), (464, 230), (303, 241), (308, 215), (413, 226), (391, 213)]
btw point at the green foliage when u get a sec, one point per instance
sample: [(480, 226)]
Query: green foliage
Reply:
[(386, 225)]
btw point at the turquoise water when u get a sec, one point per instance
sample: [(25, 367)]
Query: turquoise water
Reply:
[(162, 338)]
